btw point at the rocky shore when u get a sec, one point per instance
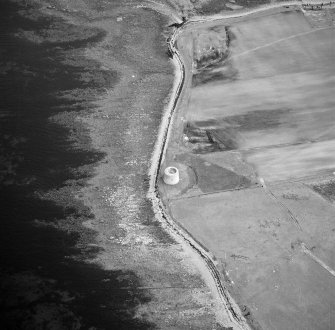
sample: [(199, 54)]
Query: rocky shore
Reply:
[(84, 86)]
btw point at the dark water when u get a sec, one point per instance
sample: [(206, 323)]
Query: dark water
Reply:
[(46, 158)]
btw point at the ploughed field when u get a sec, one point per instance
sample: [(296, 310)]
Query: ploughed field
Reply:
[(272, 98)]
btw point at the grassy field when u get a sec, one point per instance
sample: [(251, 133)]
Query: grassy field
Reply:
[(258, 248), (281, 94), (266, 111)]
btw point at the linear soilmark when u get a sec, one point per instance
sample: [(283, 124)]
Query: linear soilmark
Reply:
[(281, 40), (280, 145), (316, 259), (288, 211)]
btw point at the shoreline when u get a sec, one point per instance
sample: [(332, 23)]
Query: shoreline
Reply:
[(91, 246)]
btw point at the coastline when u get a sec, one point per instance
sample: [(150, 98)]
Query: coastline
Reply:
[(114, 265)]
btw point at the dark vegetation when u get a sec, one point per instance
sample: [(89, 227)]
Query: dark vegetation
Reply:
[(227, 74), (213, 6), (256, 120), (204, 139), (326, 190), (211, 177), (217, 53), (217, 66), (222, 134), (251, 3)]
